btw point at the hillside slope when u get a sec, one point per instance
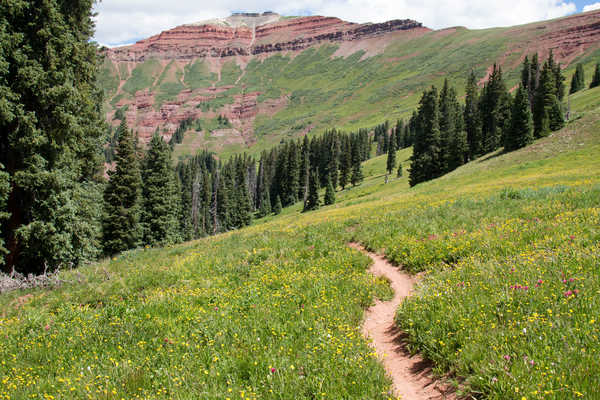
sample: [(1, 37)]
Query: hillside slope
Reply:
[(293, 76), (509, 244)]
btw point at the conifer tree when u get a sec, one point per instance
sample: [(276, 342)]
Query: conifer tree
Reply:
[(122, 204), (264, 199), (161, 199), (472, 117), (242, 205), (578, 80), (425, 163), (312, 201), (187, 189), (495, 107), (357, 175), (391, 158), (277, 208), (399, 173), (399, 131), (292, 174), (329, 193), (521, 127), (4, 191), (304, 169), (596, 77), (547, 113), (52, 127), (345, 162)]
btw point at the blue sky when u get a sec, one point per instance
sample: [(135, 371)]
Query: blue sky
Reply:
[(125, 21)]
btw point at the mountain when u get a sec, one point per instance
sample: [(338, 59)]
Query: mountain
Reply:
[(275, 77)]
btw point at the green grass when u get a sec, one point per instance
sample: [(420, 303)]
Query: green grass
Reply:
[(273, 311), (197, 75), (143, 76)]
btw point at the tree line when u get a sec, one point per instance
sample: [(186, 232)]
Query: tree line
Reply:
[(448, 134)]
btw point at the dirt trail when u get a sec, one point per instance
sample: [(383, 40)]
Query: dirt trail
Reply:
[(411, 375)]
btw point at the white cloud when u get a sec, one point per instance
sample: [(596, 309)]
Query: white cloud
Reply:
[(121, 21), (591, 7)]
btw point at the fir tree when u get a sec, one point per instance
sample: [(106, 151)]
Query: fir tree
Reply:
[(304, 169), (357, 174), (52, 127), (4, 191), (495, 107), (425, 163), (399, 173), (277, 208), (329, 193), (264, 199), (472, 117), (547, 113), (596, 77), (578, 80), (161, 200), (391, 157), (399, 131), (121, 228), (345, 162), (521, 127), (312, 201)]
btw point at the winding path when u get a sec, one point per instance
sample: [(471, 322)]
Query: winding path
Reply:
[(411, 375)]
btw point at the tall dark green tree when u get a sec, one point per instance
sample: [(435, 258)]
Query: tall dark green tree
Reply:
[(264, 199), (329, 193), (596, 78), (52, 129), (495, 105), (121, 226), (277, 207), (547, 113), (578, 80), (160, 217), (312, 201), (391, 157), (345, 162), (4, 190), (425, 161), (357, 174), (472, 117), (521, 127)]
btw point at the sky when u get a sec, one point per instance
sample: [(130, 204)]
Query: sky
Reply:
[(126, 21)]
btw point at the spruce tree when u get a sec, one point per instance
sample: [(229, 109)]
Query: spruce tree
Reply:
[(399, 173), (122, 204), (345, 162), (547, 113), (472, 117), (277, 208), (578, 80), (425, 161), (391, 157), (52, 127), (329, 193), (312, 201), (596, 77), (264, 199), (521, 127), (495, 107), (161, 199), (399, 131), (357, 174), (304, 169), (4, 191)]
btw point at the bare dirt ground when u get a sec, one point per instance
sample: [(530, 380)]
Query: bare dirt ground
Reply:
[(411, 375)]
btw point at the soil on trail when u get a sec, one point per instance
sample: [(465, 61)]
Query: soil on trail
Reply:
[(410, 374)]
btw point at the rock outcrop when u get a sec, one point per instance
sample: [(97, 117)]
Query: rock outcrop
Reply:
[(215, 39)]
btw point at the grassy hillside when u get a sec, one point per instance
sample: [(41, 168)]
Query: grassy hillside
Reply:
[(328, 86), (507, 306)]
